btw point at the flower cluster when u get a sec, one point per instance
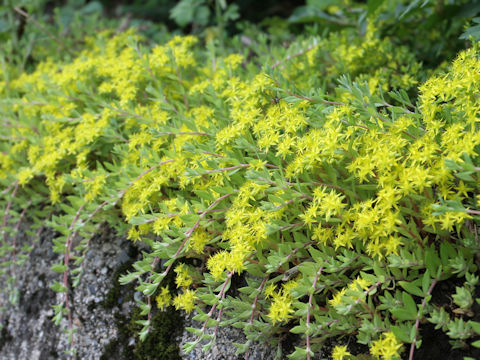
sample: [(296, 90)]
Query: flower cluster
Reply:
[(332, 211)]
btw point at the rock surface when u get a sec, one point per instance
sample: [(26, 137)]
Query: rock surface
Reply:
[(98, 304)]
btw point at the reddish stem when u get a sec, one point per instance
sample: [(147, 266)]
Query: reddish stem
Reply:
[(66, 260), (175, 215), (122, 192), (307, 98), (220, 296), (227, 168), (7, 210), (254, 307), (289, 57), (14, 242), (309, 309), (189, 233), (149, 298), (184, 133), (419, 316)]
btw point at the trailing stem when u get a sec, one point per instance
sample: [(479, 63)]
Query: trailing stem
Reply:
[(6, 216), (419, 317), (254, 307), (43, 28), (189, 233), (299, 53), (66, 260), (220, 297), (309, 309), (87, 246), (366, 292), (14, 241)]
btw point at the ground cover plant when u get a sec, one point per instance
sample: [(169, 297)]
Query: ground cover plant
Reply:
[(333, 180)]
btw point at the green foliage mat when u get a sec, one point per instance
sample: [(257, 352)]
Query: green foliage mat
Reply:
[(341, 203)]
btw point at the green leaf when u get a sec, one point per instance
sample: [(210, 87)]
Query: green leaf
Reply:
[(403, 314), (299, 329), (59, 268), (411, 288), (255, 270), (466, 176), (409, 311), (202, 15), (194, 330), (410, 304), (432, 261), (189, 346), (57, 287), (413, 332), (475, 326), (373, 5), (462, 297), (426, 281), (401, 333), (207, 346), (140, 220), (303, 14), (183, 12), (242, 348), (472, 32), (143, 334), (128, 278), (209, 299), (150, 289), (447, 252), (299, 354)]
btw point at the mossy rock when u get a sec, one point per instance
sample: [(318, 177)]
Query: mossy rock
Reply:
[(159, 344)]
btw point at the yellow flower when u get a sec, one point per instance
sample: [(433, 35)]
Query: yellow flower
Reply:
[(331, 204), (387, 347), (339, 352), (164, 298), (197, 242), (233, 60), (24, 176), (270, 290), (94, 187), (281, 308), (183, 278), (185, 301), (257, 164), (337, 298), (133, 234), (161, 224), (217, 264), (359, 284)]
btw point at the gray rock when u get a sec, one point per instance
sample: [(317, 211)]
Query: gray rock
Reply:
[(122, 258), (29, 333), (223, 349)]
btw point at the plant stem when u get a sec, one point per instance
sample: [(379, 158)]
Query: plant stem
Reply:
[(254, 307), (309, 309), (189, 233), (420, 315), (56, 39), (220, 297)]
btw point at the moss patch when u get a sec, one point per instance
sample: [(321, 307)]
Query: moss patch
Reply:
[(118, 293), (4, 336), (159, 344)]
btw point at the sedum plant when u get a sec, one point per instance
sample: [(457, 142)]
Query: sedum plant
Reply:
[(333, 201)]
